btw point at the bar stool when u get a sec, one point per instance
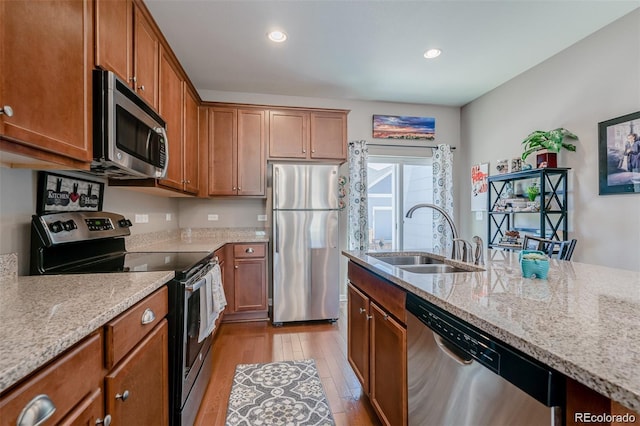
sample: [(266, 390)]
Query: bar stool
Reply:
[(561, 250)]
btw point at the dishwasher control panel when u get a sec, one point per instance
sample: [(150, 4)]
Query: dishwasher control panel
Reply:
[(466, 339)]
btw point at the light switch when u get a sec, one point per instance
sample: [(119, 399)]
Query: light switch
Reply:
[(168, 217), (212, 217), (262, 218), (479, 215)]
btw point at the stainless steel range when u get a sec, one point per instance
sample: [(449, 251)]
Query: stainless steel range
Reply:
[(93, 242)]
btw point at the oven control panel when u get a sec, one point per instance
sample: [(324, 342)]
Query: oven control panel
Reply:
[(99, 224), (58, 228)]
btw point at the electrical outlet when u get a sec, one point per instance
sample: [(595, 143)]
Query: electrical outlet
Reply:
[(168, 217), (142, 218), (262, 218), (212, 217)]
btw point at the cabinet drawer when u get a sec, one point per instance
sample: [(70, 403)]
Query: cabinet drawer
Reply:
[(249, 250), (391, 297), (123, 333), (66, 381)]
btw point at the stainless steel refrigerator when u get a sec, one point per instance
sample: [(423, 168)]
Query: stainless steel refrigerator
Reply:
[(306, 257)]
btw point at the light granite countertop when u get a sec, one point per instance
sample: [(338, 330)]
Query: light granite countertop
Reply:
[(42, 316), (584, 320)]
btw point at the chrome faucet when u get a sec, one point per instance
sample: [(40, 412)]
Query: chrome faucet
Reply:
[(467, 249), (439, 209)]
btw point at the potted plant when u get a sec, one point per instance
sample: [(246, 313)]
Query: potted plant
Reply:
[(552, 141), (532, 192)]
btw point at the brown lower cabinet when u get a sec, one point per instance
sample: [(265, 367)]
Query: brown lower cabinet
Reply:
[(137, 388), (86, 391), (377, 343), (245, 284)]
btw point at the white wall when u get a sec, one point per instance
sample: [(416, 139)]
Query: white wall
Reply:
[(594, 80)]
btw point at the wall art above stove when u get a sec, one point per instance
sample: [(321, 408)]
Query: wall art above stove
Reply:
[(61, 193)]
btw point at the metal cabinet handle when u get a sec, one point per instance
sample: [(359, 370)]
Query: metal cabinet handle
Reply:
[(239, 188), (249, 250), (386, 317), (147, 316), (133, 79), (369, 317), (123, 396), (6, 110), (141, 88), (36, 411), (235, 267), (106, 421), (304, 151), (234, 188), (313, 151), (363, 310)]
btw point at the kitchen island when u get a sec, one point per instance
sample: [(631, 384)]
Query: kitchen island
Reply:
[(583, 321)]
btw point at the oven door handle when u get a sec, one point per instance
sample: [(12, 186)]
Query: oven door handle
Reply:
[(193, 287)]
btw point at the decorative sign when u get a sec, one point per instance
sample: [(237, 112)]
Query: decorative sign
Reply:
[(479, 187), (59, 193), (403, 127)]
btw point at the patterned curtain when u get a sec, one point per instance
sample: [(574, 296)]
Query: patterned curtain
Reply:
[(442, 197), (358, 213)]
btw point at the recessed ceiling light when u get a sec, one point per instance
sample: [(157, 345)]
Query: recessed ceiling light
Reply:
[(277, 36), (432, 53)]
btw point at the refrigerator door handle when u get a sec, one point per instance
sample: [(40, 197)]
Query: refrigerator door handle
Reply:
[(276, 189), (276, 247)]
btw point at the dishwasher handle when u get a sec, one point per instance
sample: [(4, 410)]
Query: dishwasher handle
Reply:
[(451, 351)]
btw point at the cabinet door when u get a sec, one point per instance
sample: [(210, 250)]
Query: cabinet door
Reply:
[(146, 58), (89, 412), (250, 285), (288, 134), (228, 277), (114, 36), (223, 151), (358, 335), (191, 143), (171, 107), (137, 388), (328, 135), (251, 148), (46, 62), (388, 367)]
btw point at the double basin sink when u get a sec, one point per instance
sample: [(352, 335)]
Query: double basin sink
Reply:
[(418, 264)]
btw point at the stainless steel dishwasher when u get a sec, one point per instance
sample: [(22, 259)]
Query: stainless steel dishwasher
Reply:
[(457, 375)]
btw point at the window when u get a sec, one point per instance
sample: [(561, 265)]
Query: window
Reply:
[(396, 184)]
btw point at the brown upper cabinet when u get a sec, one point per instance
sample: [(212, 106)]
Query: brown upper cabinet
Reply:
[(191, 143), (236, 160), (46, 60), (171, 108), (307, 135), (128, 44)]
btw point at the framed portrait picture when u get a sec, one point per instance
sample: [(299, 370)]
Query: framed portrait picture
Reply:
[(619, 154)]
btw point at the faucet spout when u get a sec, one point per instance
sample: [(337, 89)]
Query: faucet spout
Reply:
[(440, 210)]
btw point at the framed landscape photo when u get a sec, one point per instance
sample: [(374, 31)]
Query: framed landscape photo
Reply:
[(404, 127), (619, 154)]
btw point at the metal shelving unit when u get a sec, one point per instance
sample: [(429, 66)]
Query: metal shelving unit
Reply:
[(551, 221)]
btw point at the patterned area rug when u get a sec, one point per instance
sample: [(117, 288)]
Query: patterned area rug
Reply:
[(284, 393)]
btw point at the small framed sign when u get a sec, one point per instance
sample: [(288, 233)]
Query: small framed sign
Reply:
[(60, 193)]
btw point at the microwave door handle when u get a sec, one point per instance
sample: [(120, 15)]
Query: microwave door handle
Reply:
[(162, 131)]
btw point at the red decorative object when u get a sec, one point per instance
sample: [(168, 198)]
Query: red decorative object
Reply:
[(549, 158)]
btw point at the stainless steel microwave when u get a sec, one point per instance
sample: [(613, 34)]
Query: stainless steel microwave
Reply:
[(129, 137)]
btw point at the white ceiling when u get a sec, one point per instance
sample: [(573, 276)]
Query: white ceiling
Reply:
[(372, 50)]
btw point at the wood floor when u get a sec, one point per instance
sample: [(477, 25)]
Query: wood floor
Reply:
[(258, 342)]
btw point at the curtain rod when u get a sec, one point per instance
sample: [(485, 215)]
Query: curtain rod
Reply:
[(406, 146)]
